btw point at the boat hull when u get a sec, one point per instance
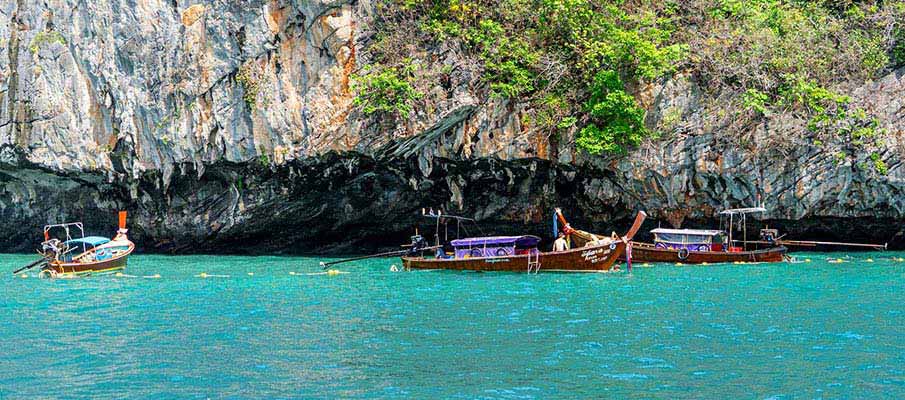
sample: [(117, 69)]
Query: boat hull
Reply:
[(646, 252), (586, 259)]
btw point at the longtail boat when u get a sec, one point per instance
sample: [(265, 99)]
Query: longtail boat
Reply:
[(82, 255), (699, 246), (694, 246), (520, 254)]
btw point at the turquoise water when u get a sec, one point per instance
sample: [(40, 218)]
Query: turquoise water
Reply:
[(809, 330)]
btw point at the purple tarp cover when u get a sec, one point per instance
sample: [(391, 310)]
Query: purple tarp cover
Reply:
[(493, 246), (520, 241)]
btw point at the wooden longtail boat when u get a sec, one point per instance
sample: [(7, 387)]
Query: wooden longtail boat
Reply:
[(520, 254), (698, 246), (91, 255), (647, 252)]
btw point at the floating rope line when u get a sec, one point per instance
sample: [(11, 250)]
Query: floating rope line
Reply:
[(206, 275), (122, 275), (327, 272)]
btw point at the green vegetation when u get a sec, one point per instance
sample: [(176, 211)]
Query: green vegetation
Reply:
[(898, 50), (755, 43), (879, 164), (571, 59), (507, 59), (245, 77), (756, 100), (616, 120), (582, 66), (44, 38), (388, 90), (830, 116)]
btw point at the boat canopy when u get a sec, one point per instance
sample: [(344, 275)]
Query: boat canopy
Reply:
[(494, 246), (701, 232), (497, 241), (685, 236), (93, 241)]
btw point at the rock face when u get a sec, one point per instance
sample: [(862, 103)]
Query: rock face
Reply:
[(229, 126)]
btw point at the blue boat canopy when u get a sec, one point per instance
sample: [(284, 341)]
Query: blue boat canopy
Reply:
[(93, 241)]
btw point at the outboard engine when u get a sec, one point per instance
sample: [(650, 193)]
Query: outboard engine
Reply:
[(769, 235), (418, 243), (53, 249)]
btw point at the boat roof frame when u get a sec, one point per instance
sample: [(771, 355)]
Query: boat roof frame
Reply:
[(695, 232), (93, 241), (65, 227), (743, 211), (440, 215)]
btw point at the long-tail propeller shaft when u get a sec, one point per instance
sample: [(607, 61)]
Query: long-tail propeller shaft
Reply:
[(30, 266)]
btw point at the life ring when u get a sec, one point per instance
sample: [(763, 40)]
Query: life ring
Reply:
[(683, 254), (476, 252), (501, 252), (613, 246)]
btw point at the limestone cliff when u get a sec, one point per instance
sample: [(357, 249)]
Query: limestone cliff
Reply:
[(230, 126)]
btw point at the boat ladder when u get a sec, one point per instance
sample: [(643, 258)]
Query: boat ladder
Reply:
[(533, 262)]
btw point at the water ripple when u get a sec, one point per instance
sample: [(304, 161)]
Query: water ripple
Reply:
[(770, 331)]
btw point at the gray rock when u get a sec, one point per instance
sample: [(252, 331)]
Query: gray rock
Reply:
[(218, 123)]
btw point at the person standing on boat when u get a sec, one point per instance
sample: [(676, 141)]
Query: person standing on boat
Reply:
[(560, 243)]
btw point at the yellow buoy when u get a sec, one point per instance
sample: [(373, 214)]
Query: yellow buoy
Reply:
[(119, 274), (839, 260), (705, 263), (807, 260), (251, 274), (291, 272), (155, 276), (332, 272), (203, 275), (645, 265), (869, 260), (23, 276), (678, 263)]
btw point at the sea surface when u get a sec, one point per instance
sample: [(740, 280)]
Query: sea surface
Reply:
[(274, 327)]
